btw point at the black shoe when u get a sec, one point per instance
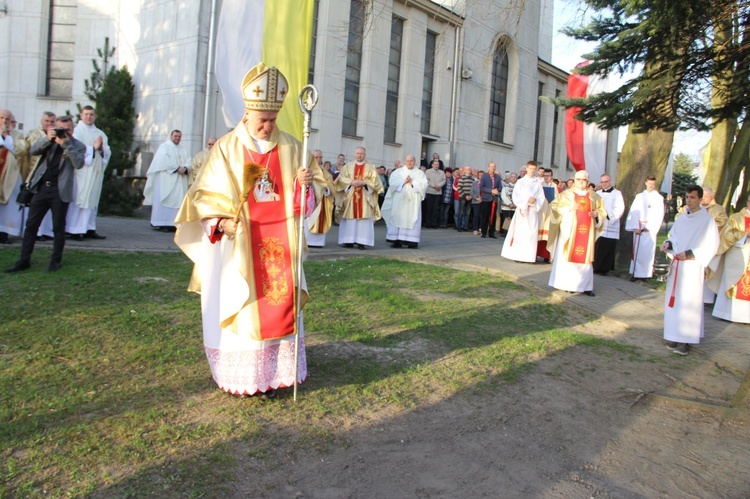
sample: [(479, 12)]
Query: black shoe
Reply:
[(546, 260), (361, 246), (635, 279), (268, 394), (671, 345), (412, 245), (4, 238), (17, 267), (396, 245), (348, 245), (589, 293), (54, 267), (681, 349), (93, 235), (459, 229), (493, 236), (76, 237), (484, 237)]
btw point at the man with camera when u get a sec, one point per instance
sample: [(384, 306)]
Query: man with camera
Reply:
[(52, 185)]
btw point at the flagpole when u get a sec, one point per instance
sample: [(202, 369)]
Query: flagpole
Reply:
[(308, 98), (209, 71)]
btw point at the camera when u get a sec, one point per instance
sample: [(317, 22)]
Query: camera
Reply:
[(61, 132)]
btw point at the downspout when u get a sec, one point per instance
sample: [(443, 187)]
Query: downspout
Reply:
[(455, 90), (209, 72)]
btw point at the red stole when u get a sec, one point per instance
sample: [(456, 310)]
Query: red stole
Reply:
[(3, 159), (271, 253), (583, 227), (743, 285), (358, 197)]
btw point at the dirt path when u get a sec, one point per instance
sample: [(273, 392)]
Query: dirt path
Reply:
[(581, 423)]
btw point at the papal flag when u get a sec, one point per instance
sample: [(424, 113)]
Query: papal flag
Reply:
[(586, 142), (277, 32)]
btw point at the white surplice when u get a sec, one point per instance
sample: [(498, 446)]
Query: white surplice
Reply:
[(646, 212), (165, 188), (402, 207), (523, 234), (81, 215), (683, 300)]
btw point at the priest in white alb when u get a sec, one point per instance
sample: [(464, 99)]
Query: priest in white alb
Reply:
[(523, 234), (577, 219), (360, 185), (731, 282), (167, 182), (402, 207), (644, 221), (691, 244), (81, 218), (239, 225)]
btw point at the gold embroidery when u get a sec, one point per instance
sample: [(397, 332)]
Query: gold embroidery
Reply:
[(275, 286)]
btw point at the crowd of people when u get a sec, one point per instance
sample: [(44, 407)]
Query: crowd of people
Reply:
[(235, 205)]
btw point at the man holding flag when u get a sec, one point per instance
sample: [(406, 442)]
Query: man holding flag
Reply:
[(238, 225)]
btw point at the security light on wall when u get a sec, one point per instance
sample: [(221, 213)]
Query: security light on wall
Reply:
[(466, 74)]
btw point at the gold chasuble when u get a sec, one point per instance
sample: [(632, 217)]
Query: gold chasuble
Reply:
[(578, 236), (9, 173), (322, 219), (358, 203), (258, 270), (743, 285)]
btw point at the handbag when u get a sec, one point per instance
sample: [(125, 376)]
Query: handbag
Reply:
[(24, 196)]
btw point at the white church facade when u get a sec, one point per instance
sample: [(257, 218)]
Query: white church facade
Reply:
[(396, 76)]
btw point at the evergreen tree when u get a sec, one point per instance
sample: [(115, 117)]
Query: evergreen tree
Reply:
[(694, 63), (683, 174), (113, 92)]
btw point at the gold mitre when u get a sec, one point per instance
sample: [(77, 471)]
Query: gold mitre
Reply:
[(264, 88)]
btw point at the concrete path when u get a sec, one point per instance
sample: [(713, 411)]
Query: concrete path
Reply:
[(636, 305)]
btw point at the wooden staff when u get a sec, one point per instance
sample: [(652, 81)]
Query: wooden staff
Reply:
[(308, 98)]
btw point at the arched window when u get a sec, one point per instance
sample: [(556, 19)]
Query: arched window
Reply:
[(499, 93)]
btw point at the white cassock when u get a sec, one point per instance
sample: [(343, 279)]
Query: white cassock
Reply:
[(733, 272), (402, 207), (10, 216), (647, 211), (523, 234), (165, 188), (87, 183), (683, 303)]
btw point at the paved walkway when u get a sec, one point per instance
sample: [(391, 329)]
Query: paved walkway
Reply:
[(636, 305)]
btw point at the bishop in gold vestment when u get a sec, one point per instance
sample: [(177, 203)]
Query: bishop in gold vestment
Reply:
[(577, 219), (241, 233)]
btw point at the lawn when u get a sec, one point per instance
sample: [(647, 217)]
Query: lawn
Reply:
[(105, 389)]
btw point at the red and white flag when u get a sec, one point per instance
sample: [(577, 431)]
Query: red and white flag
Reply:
[(586, 142)]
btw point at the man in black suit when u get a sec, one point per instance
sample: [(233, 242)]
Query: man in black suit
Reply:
[(52, 185)]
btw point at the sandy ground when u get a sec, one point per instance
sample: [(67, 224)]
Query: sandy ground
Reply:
[(581, 423)]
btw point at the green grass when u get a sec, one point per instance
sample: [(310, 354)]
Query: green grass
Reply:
[(105, 389)]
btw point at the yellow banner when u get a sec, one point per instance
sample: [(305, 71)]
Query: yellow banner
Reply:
[(287, 39)]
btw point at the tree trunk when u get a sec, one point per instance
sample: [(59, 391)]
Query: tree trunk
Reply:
[(723, 132), (738, 160), (643, 154)]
